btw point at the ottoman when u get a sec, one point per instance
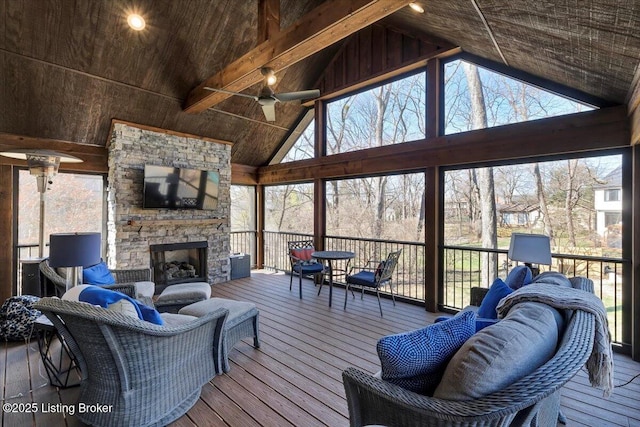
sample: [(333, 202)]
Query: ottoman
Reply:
[(242, 322), (174, 297)]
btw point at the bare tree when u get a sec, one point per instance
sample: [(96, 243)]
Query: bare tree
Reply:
[(334, 145), (570, 199), (484, 176), (507, 182), (286, 205), (542, 201), (421, 218)]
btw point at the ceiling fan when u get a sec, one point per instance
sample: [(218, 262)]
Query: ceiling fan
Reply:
[(267, 98)]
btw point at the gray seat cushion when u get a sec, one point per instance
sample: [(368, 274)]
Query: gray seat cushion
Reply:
[(172, 319), (184, 293), (239, 311), (501, 354)]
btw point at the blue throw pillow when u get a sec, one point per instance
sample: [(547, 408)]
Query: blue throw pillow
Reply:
[(104, 297), (519, 276), (415, 360), (97, 274), (498, 290)]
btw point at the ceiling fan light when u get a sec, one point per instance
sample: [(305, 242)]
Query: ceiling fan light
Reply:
[(269, 75), (416, 7)]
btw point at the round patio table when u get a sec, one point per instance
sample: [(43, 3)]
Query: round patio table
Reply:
[(332, 256)]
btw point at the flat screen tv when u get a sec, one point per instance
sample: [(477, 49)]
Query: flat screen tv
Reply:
[(168, 187)]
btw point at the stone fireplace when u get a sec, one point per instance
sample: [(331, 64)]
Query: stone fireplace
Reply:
[(178, 263), (132, 231)]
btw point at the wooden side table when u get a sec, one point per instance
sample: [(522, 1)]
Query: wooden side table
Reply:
[(58, 361)]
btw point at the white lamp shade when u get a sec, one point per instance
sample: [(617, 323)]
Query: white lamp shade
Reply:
[(74, 249), (530, 248)]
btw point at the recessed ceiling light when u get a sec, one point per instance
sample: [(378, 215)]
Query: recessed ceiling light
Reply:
[(136, 21), (416, 7)]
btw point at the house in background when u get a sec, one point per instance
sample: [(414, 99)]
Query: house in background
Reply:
[(523, 213), (608, 205)]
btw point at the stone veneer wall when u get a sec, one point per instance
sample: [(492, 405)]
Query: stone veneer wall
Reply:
[(128, 246)]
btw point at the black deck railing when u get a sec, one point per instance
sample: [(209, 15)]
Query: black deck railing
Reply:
[(244, 242), (408, 277), (462, 267), (276, 250), (463, 270), (408, 273)]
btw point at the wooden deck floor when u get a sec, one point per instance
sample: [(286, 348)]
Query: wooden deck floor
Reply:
[(294, 379)]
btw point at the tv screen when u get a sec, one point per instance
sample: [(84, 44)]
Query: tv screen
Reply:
[(167, 187)]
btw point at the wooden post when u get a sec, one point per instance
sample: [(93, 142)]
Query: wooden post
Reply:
[(433, 104), (635, 255), (431, 238), (431, 193), (319, 189), (7, 263), (319, 214), (260, 226)]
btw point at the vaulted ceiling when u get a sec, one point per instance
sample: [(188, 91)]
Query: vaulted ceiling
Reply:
[(68, 67)]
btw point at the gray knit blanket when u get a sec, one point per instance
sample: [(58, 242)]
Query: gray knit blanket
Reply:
[(600, 362)]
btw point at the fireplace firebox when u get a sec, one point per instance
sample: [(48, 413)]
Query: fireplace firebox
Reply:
[(178, 263)]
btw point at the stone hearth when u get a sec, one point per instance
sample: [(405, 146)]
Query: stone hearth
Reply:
[(132, 230)]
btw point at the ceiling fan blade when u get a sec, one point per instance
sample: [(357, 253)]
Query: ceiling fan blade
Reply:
[(269, 111), (294, 96), (213, 89)]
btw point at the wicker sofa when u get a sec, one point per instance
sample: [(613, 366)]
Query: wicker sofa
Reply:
[(171, 299), (144, 374), (122, 277), (531, 400)]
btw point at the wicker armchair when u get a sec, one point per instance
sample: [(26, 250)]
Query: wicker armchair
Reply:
[(123, 277), (532, 400), (147, 375)]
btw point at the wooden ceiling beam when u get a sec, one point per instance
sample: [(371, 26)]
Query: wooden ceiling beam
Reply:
[(268, 19), (244, 174), (330, 22), (592, 130)]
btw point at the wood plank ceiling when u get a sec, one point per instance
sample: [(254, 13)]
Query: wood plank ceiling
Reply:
[(68, 67)]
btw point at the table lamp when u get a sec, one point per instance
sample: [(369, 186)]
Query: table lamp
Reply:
[(530, 249), (75, 251)]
